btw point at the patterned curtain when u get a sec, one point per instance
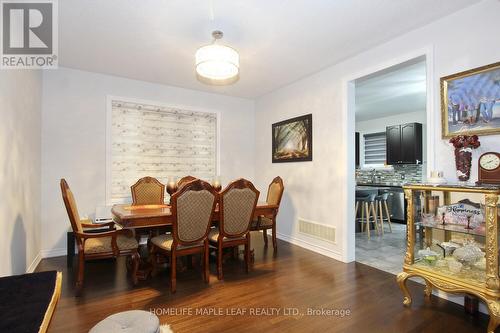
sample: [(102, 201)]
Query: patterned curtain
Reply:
[(161, 142)]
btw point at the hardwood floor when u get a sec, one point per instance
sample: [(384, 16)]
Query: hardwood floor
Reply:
[(295, 281)]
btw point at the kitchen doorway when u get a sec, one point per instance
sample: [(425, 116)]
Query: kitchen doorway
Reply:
[(390, 129)]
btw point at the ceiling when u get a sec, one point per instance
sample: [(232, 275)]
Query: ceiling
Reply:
[(279, 41), (396, 90)]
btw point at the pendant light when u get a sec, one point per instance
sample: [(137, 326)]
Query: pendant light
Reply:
[(217, 63)]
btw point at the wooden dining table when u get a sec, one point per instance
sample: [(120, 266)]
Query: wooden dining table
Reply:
[(151, 216), (156, 216)]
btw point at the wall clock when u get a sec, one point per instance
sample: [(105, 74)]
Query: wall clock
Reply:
[(489, 168)]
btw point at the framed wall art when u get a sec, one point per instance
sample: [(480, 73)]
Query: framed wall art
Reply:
[(470, 102), (292, 140)]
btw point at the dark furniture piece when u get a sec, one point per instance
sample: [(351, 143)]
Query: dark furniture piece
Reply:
[(404, 144), (236, 206), (29, 301), (193, 206), (110, 243)]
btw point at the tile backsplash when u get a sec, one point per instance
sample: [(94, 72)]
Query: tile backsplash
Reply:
[(398, 174)]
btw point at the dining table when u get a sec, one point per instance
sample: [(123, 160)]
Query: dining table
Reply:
[(153, 217)]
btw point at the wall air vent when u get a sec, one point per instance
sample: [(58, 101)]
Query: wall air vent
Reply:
[(317, 230)]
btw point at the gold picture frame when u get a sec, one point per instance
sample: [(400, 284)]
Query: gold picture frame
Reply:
[(470, 102)]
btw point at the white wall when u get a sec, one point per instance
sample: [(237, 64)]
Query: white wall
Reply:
[(379, 125), (73, 139), (20, 110), (317, 190)]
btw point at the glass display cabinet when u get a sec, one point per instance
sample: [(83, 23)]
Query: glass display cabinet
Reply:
[(453, 242)]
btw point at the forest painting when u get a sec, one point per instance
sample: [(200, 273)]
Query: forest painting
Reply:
[(292, 140)]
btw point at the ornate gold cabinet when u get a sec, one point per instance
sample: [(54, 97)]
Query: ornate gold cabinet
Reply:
[(453, 242)]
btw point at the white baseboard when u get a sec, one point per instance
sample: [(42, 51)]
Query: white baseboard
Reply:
[(310, 246), (53, 253), (34, 264)]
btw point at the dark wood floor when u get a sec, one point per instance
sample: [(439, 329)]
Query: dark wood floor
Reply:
[(295, 280)]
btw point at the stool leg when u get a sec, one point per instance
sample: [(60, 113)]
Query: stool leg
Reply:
[(367, 220), (381, 216), (362, 216), (375, 219), (356, 214), (388, 215)]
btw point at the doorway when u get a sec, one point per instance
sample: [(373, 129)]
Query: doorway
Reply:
[(395, 94)]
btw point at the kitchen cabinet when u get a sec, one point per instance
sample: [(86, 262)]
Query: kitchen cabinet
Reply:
[(404, 144)]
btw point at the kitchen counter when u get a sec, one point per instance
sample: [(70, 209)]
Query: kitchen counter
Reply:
[(381, 184)]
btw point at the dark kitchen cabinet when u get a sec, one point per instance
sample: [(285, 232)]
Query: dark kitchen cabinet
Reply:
[(404, 144)]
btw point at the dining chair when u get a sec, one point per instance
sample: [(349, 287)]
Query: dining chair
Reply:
[(184, 180), (148, 191), (236, 208), (192, 208), (264, 223), (110, 243)]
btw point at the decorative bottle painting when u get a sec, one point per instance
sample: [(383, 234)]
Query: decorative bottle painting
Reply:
[(292, 140), (470, 102)]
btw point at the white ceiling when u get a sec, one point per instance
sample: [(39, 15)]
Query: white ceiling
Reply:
[(396, 90), (279, 41)]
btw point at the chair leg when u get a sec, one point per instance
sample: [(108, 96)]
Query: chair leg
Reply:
[(173, 272), (264, 235), (367, 219), (219, 261), (135, 267), (388, 216), (356, 209), (153, 259), (206, 273), (275, 243), (80, 274), (247, 253)]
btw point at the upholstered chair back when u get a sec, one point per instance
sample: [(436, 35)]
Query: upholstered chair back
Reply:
[(148, 191), (193, 206), (275, 191), (237, 206), (184, 180), (71, 208)]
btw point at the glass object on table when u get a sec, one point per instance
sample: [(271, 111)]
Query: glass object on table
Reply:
[(216, 183), (172, 185)]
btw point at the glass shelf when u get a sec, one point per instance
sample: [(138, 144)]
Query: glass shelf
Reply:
[(468, 274), (478, 231)]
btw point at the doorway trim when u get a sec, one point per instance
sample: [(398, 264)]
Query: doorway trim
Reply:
[(348, 113)]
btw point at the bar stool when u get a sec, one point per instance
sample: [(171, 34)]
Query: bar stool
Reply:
[(381, 207), (367, 207)]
